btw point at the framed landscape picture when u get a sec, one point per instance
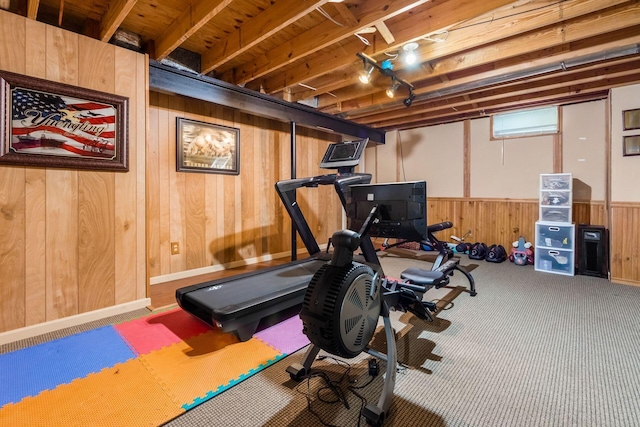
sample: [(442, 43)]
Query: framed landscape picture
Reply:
[(631, 145), (205, 147), (631, 119), (49, 124)]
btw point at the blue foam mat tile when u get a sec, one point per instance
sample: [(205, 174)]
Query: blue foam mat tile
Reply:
[(29, 371)]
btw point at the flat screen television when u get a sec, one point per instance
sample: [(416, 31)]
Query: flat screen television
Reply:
[(402, 209), (343, 154)]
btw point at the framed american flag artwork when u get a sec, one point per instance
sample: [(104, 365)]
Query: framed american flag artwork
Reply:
[(49, 124)]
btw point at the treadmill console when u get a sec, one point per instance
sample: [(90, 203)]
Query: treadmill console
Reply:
[(344, 155)]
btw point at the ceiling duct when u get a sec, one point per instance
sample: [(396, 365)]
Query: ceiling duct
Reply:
[(534, 72)]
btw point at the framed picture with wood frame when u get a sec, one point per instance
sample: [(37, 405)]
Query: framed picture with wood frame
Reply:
[(49, 124), (631, 145), (631, 119), (206, 147)]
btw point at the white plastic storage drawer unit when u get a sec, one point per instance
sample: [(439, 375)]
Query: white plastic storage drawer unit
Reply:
[(554, 248), (556, 197)]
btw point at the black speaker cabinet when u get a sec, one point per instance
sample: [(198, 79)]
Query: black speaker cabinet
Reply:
[(593, 251)]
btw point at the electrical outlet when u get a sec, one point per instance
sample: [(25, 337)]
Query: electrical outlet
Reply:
[(175, 248)]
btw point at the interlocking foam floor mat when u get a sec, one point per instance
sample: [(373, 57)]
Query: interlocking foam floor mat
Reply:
[(138, 373)]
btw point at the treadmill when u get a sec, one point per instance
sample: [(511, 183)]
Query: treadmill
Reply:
[(237, 304)]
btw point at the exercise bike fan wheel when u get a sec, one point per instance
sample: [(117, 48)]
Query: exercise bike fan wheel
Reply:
[(341, 308)]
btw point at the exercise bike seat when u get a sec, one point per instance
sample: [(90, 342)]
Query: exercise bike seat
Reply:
[(422, 277)]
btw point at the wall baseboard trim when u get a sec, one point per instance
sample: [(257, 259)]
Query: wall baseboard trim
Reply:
[(625, 282), (75, 320), (156, 280)]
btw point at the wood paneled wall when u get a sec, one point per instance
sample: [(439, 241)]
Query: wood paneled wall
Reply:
[(502, 221), (220, 219), (625, 243), (499, 221), (72, 241)]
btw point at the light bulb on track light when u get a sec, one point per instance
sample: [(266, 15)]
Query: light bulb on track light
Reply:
[(391, 91), (365, 75), (410, 56)]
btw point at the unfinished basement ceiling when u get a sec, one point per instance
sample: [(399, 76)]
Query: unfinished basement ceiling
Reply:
[(473, 58)]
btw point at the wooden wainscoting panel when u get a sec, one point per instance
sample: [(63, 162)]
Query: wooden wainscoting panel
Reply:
[(62, 56), (195, 246), (153, 196), (177, 189), (221, 219), (71, 233), (12, 248), (130, 276), (166, 164), (492, 221), (624, 243), (35, 246), (36, 33), (62, 243), (92, 72), (96, 195), (12, 43), (592, 213), (96, 245)]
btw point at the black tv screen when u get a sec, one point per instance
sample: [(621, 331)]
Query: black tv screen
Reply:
[(402, 209)]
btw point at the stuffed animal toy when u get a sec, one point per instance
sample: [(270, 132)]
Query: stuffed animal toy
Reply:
[(522, 252)]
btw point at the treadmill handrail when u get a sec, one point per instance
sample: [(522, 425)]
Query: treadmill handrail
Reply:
[(286, 189)]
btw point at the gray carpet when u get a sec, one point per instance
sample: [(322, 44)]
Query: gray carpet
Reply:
[(532, 349)]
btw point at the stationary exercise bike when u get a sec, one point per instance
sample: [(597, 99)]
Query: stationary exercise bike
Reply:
[(345, 298)]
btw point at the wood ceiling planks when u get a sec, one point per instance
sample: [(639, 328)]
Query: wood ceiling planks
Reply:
[(299, 50)]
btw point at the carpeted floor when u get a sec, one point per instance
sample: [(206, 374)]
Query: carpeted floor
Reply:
[(532, 349)]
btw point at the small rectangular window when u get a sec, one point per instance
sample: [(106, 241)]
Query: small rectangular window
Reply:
[(539, 121)]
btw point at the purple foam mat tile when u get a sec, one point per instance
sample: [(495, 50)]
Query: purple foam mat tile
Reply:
[(286, 336)]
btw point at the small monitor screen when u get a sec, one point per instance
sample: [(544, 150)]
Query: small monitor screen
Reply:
[(343, 151), (402, 209), (344, 154)]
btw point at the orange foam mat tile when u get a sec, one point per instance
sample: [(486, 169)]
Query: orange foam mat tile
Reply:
[(124, 395), (207, 363)]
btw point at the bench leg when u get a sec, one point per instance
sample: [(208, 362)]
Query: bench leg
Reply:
[(472, 283)]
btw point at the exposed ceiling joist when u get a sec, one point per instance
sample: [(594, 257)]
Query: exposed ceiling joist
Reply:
[(263, 26), (474, 57), (118, 10), (385, 33), (439, 16), (320, 37), (581, 79), (567, 34), (190, 20), (502, 38), (32, 8)]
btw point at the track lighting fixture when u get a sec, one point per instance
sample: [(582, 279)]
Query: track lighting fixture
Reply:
[(408, 101), (365, 75), (386, 68), (391, 91)]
